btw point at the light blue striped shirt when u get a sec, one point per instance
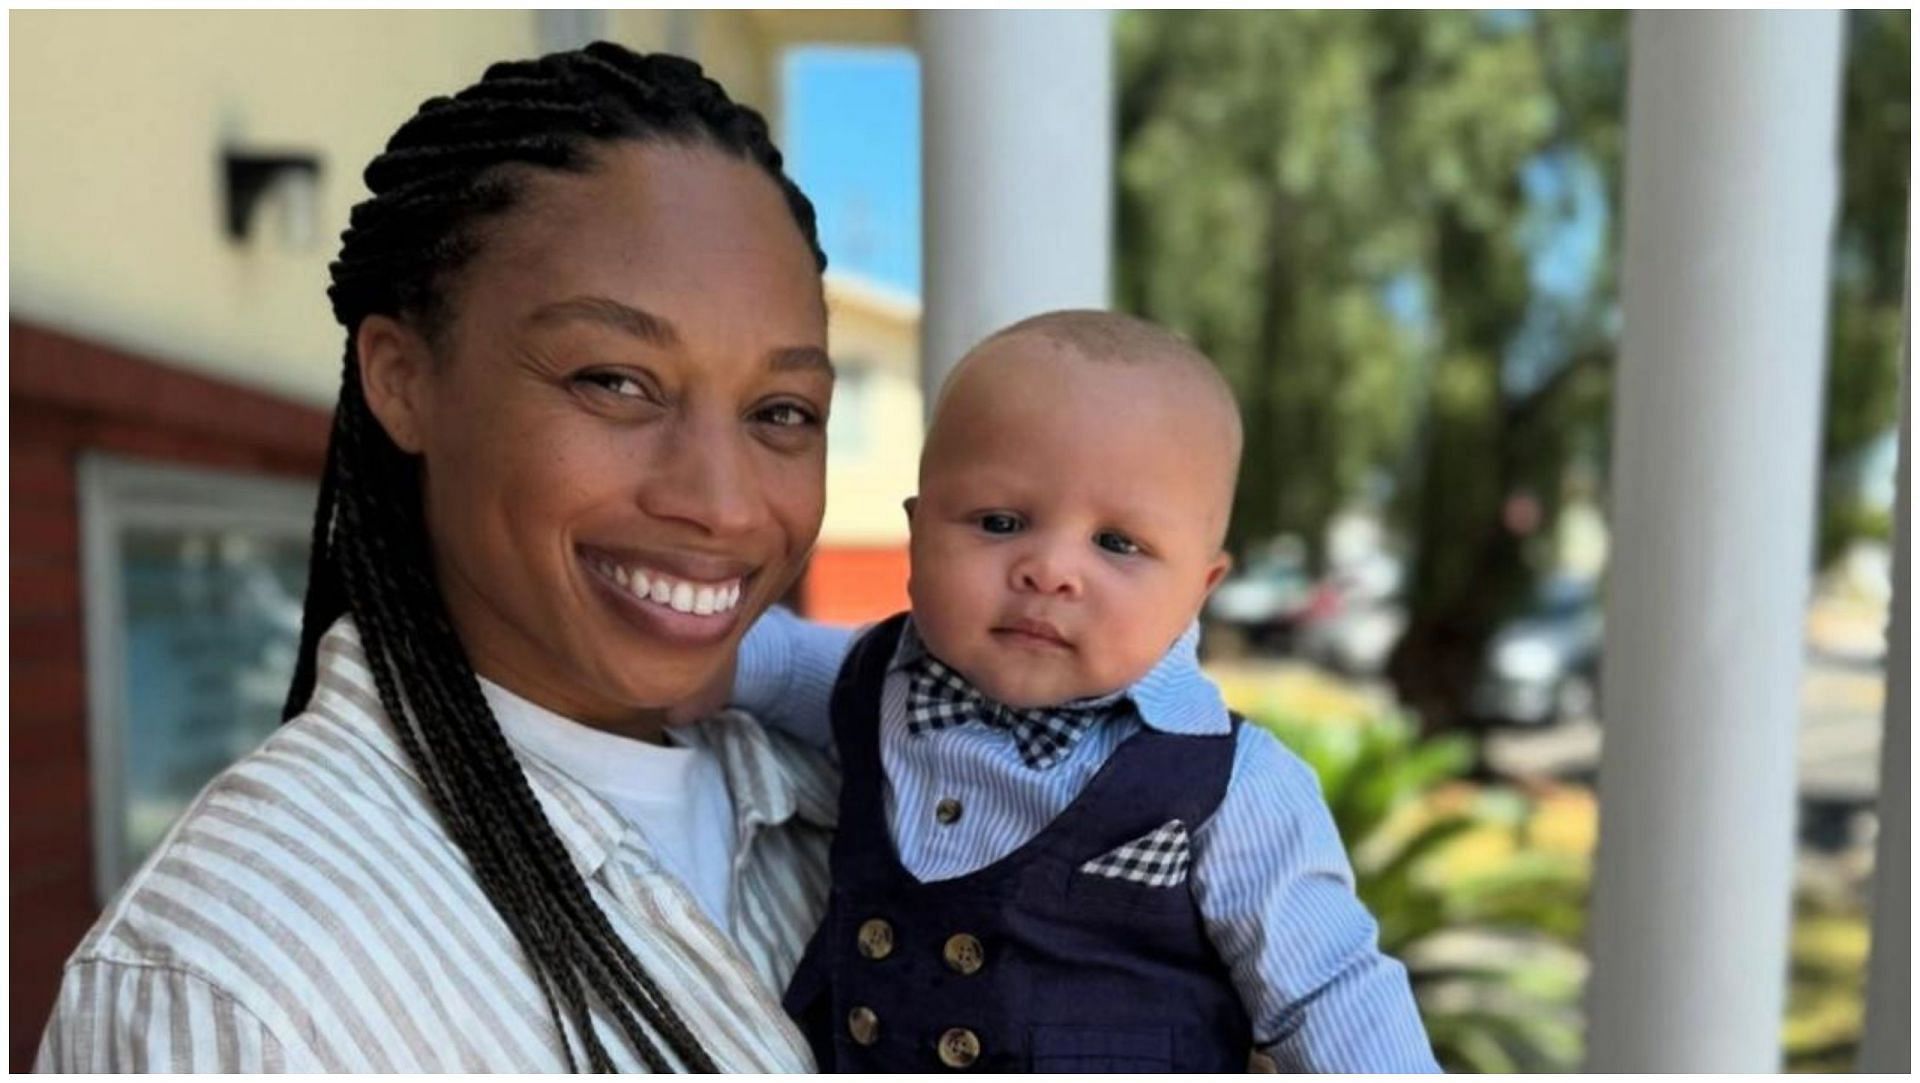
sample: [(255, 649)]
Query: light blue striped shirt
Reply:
[(1270, 876)]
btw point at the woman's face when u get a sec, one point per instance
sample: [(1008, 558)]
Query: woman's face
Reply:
[(623, 426)]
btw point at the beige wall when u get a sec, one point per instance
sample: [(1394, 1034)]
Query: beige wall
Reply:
[(874, 433), (118, 220), (118, 119)]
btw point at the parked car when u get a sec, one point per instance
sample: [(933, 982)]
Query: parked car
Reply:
[(1355, 617), (1265, 601), (1544, 666)]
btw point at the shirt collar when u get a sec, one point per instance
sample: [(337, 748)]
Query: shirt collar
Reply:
[(1175, 696), (770, 784)]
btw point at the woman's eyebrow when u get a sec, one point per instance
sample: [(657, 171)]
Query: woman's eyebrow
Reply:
[(642, 325), (791, 358)]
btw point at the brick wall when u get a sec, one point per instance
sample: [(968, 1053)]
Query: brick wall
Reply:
[(68, 396)]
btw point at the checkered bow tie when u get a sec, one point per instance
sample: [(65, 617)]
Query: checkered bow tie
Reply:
[(938, 697)]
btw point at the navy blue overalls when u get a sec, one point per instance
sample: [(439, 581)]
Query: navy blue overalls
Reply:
[(1027, 964)]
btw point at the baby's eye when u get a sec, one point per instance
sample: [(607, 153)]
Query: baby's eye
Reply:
[(1115, 542), (999, 522)]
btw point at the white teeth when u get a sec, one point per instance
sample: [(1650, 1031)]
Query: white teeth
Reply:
[(699, 599)]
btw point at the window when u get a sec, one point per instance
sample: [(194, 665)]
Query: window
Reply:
[(849, 425), (194, 582)]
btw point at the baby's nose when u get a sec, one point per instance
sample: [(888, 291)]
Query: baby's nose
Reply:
[(1047, 572)]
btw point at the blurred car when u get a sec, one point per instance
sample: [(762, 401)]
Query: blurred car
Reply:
[(1355, 617), (1265, 601), (1544, 666)]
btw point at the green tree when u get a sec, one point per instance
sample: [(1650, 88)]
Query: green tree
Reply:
[(1347, 210), (1250, 199), (1284, 176), (1869, 262), (1493, 99)]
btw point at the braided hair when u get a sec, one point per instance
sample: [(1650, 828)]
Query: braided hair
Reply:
[(455, 163)]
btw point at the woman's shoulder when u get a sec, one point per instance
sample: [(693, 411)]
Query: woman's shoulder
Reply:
[(773, 772), (275, 890)]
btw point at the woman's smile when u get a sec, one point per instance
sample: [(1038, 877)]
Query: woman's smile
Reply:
[(687, 598)]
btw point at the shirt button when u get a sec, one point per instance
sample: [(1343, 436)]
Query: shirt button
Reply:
[(863, 1025), (959, 1048), (947, 811), (876, 938), (964, 953)]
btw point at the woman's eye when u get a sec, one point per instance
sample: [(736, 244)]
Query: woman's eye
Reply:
[(618, 383), (1115, 542), (788, 415), (999, 523)]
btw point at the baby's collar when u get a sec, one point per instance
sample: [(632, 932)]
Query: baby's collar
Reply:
[(1174, 697)]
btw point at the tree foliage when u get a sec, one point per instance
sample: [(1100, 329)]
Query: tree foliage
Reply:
[(1870, 251), (1395, 232)]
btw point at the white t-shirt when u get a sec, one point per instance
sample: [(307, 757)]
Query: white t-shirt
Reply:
[(675, 794)]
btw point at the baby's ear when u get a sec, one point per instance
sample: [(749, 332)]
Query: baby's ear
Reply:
[(1217, 570)]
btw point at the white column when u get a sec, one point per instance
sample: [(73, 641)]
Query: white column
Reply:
[(1017, 172), (1888, 1044), (1731, 168)]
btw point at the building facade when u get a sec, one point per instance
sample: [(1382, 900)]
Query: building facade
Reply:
[(179, 183)]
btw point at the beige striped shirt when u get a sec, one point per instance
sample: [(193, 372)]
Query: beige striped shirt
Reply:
[(309, 912)]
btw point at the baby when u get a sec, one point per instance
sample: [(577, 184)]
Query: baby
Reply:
[(1057, 849)]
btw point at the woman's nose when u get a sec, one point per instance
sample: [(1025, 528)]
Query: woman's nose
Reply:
[(706, 478)]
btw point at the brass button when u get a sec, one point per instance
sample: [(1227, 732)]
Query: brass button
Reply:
[(1261, 1063), (876, 938), (863, 1025), (959, 1048), (947, 811), (964, 953)]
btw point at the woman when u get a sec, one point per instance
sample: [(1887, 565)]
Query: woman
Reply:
[(579, 447)]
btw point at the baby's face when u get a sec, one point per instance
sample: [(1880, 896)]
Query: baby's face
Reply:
[(1067, 526)]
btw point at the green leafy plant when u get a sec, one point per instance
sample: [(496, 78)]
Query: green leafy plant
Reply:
[(1491, 946)]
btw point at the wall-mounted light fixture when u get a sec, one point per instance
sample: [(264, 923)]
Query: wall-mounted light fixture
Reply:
[(291, 180)]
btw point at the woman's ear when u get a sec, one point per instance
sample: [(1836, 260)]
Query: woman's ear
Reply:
[(394, 367)]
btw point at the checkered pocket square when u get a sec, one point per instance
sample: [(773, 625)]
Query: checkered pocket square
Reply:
[(1158, 858)]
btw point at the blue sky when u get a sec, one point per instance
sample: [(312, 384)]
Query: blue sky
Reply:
[(852, 138)]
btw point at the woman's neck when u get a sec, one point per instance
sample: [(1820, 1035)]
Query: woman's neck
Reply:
[(647, 724)]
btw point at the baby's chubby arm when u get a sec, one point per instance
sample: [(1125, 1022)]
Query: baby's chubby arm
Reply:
[(1276, 892), (786, 672)]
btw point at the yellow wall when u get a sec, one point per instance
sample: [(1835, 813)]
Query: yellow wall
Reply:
[(118, 214), (874, 434), (118, 119)]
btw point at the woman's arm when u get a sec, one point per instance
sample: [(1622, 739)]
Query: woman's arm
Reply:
[(124, 1017)]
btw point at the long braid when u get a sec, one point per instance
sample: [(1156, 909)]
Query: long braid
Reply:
[(457, 161)]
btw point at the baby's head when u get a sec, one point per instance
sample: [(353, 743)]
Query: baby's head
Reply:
[(1074, 493)]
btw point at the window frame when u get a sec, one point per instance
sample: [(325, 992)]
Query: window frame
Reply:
[(117, 493)]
